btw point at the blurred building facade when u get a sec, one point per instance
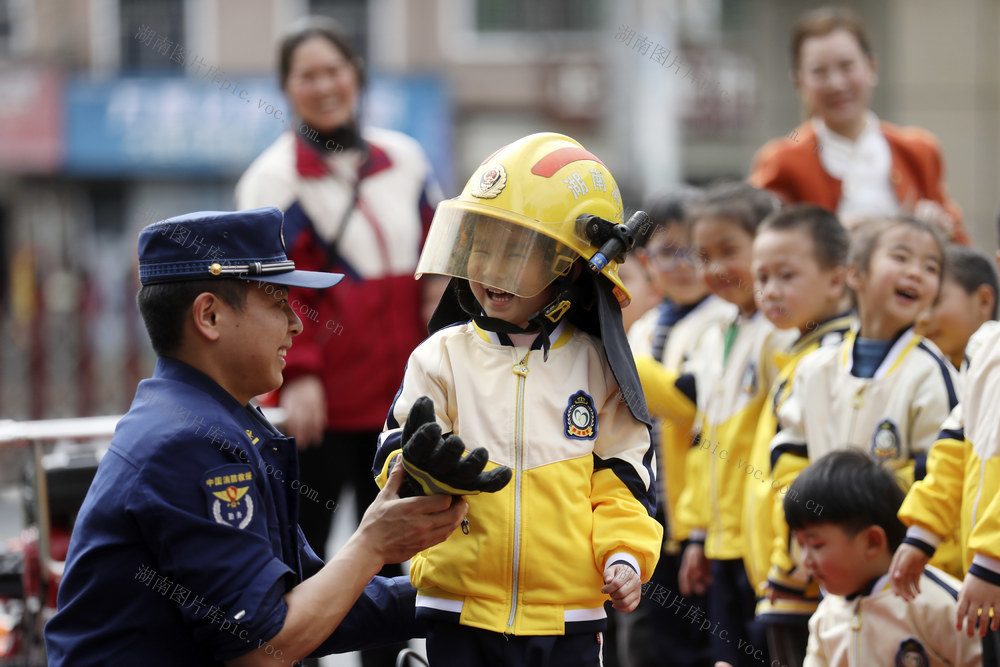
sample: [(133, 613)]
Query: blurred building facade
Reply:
[(118, 113)]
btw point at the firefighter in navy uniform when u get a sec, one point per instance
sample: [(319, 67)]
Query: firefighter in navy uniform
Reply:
[(187, 549)]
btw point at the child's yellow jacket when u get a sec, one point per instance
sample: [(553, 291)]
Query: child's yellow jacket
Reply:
[(581, 497), (730, 404), (963, 471), (763, 499)]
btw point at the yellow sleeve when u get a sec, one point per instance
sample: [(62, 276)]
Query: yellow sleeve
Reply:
[(675, 433), (785, 573), (983, 540), (623, 495), (693, 508), (759, 499), (935, 502), (422, 378), (665, 401), (789, 456)]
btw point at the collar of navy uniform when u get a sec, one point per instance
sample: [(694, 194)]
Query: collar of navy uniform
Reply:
[(249, 415)]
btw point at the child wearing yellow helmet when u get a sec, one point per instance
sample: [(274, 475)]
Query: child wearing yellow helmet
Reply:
[(528, 359)]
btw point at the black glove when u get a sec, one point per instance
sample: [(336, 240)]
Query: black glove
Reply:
[(436, 465)]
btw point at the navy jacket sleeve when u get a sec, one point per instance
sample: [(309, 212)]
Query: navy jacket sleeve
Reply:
[(229, 563), (385, 613)]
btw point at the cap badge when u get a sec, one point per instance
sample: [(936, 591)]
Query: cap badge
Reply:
[(492, 180)]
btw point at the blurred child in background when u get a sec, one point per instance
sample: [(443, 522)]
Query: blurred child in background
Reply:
[(884, 390), (742, 368), (799, 269), (843, 514), (968, 299), (663, 341), (961, 488), (842, 510)]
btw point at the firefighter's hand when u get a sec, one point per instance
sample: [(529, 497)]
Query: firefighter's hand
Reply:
[(439, 465)]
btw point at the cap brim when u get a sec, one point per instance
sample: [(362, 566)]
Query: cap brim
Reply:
[(310, 279)]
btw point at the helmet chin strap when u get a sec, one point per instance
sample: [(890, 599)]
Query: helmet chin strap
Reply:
[(543, 322)]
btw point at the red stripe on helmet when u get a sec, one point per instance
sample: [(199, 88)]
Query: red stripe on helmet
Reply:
[(559, 158)]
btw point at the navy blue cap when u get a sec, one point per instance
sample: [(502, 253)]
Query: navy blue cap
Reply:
[(223, 244)]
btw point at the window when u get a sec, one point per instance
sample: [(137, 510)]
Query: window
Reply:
[(150, 31), (534, 16), (14, 15), (351, 14)]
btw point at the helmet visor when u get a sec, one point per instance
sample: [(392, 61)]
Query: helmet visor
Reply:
[(492, 251)]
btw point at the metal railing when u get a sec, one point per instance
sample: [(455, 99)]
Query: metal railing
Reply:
[(35, 434)]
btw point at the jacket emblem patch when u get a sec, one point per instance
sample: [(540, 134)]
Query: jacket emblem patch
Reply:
[(911, 653), (581, 417), (885, 441), (228, 491)]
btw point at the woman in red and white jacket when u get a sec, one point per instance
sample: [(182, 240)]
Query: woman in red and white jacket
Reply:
[(357, 201)]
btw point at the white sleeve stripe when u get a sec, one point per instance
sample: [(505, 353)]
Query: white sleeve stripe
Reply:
[(622, 556)]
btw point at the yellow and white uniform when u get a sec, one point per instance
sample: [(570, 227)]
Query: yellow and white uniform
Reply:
[(894, 417), (762, 499), (673, 407), (963, 471), (581, 497), (879, 628), (740, 375), (684, 336)]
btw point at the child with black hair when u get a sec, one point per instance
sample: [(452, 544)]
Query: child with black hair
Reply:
[(528, 357), (740, 367), (664, 341), (962, 488), (968, 299), (842, 509), (884, 390), (799, 265)]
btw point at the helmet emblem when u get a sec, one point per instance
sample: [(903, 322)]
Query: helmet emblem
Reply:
[(492, 180)]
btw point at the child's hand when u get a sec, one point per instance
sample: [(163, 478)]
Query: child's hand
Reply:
[(904, 573), (978, 596), (695, 575), (623, 585)]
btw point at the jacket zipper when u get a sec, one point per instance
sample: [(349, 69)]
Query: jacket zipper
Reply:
[(858, 401), (855, 631), (521, 370)]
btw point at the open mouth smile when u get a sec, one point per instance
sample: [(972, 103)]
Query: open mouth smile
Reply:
[(498, 296)]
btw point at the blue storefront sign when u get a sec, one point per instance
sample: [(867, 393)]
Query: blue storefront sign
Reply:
[(184, 126)]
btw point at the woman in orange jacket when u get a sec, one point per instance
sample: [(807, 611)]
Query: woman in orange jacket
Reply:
[(843, 157)]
